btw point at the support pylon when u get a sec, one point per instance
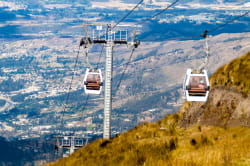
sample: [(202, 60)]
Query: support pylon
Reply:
[(108, 86), (109, 41)]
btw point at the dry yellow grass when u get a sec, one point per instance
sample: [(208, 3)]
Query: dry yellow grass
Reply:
[(235, 74), (164, 143)]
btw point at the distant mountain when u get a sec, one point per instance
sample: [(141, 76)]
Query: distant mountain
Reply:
[(179, 139)]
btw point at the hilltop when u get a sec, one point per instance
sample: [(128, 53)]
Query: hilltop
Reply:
[(213, 133)]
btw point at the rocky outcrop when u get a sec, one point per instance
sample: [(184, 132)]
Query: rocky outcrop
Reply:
[(225, 107)]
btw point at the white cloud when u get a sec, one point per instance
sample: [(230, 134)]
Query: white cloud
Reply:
[(12, 5), (58, 6)]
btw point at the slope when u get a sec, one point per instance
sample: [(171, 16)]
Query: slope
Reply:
[(228, 104), (189, 137)]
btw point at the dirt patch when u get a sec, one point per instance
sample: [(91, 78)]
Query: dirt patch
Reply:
[(225, 107)]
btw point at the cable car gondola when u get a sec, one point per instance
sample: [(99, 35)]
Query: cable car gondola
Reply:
[(196, 85), (93, 81)]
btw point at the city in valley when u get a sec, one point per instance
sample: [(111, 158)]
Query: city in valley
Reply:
[(40, 41)]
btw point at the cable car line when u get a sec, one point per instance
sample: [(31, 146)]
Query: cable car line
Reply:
[(99, 59), (130, 58), (220, 26), (119, 83), (208, 31), (101, 51), (69, 89), (202, 75), (124, 17), (156, 14), (84, 107), (228, 22), (203, 65)]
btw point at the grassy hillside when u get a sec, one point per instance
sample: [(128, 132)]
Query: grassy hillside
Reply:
[(235, 74), (200, 134), (164, 143)]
